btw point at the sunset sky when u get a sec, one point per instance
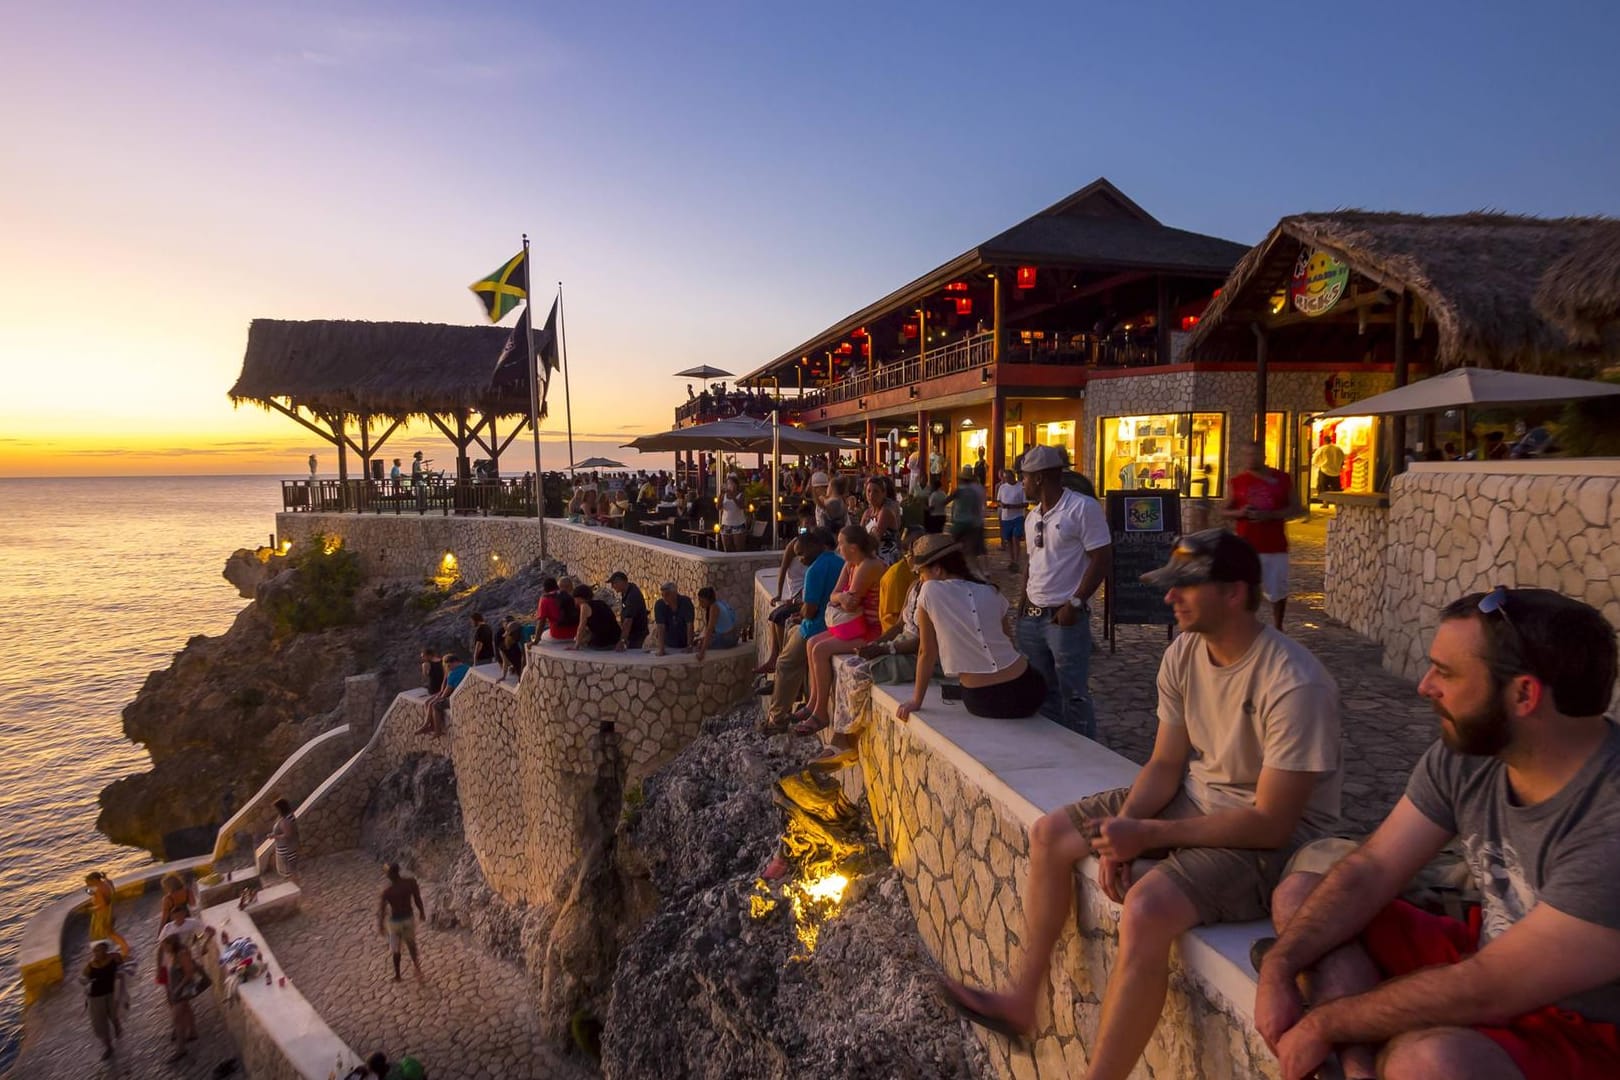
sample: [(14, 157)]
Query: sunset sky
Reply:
[(713, 183)]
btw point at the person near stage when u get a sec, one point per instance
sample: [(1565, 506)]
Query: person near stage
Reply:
[(1526, 775)]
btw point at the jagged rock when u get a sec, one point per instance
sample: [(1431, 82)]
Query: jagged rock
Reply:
[(248, 569), (704, 989), (414, 816), (230, 709)]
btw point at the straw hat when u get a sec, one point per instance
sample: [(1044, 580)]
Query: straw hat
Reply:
[(931, 548)]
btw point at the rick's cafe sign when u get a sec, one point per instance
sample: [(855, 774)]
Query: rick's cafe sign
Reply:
[(1318, 282)]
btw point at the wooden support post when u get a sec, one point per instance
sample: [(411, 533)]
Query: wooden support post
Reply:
[(336, 420), (997, 455), (1261, 379), (1395, 426), (1164, 333), (996, 305)]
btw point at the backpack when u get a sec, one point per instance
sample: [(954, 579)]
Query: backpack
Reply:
[(569, 607)]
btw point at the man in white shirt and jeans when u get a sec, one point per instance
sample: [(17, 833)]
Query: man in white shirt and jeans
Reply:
[(1011, 500), (1070, 553)]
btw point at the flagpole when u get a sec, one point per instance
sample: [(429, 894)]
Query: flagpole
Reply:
[(534, 398), (568, 398)]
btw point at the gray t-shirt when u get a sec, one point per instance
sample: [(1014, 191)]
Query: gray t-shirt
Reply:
[(1565, 850)]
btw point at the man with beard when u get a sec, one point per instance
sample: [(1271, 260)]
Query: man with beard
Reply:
[(1527, 775)]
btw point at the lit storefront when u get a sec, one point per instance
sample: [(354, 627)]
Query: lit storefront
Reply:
[(1356, 440), (1182, 452)]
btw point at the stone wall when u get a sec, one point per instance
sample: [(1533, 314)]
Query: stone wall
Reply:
[(527, 754), (297, 778), (1353, 578), (410, 547), (527, 757), (1456, 528), (278, 1034)]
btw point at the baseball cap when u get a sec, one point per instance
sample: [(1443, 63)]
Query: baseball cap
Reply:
[(1040, 458), (1202, 557)]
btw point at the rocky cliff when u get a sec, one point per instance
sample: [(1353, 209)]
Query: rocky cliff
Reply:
[(229, 709)]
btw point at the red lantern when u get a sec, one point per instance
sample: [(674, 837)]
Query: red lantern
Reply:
[(909, 329), (866, 350), (1189, 321), (956, 286), (1026, 277), (964, 305), (859, 333), (845, 349)]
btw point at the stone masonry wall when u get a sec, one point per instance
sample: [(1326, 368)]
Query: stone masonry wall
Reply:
[(1353, 581), (297, 778), (409, 547), (963, 856), (527, 757), (1468, 527)]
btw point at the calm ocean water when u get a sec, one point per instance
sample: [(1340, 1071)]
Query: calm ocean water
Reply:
[(101, 581)]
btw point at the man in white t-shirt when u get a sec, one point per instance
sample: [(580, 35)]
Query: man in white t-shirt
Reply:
[(1070, 554), (914, 468), (1011, 500), (1245, 769)]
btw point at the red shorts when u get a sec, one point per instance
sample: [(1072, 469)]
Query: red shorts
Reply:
[(1548, 1044)]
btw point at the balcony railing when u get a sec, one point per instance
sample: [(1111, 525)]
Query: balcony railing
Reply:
[(706, 407), (973, 353), (434, 495)]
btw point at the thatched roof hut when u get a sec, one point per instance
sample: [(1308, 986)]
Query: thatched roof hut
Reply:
[(351, 368), (1472, 283), (1581, 291)]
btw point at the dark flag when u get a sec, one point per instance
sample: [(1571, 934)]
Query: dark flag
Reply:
[(512, 365), (545, 343)]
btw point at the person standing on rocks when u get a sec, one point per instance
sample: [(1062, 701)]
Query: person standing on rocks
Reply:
[(395, 919), (285, 833), (483, 640)]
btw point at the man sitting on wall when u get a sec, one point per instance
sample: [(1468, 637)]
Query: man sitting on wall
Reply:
[(822, 567), (438, 706), (1527, 774), (673, 616), (1245, 768), (632, 611), (598, 629)]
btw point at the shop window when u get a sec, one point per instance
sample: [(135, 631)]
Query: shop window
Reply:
[(1182, 452), (1014, 447), (1356, 440), (968, 444), (1057, 433), (1276, 440)]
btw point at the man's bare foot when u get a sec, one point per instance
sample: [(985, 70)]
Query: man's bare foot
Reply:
[(997, 1012)]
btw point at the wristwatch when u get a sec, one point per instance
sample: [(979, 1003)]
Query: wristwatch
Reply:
[(1076, 602)]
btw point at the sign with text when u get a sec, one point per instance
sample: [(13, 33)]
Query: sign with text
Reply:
[(1144, 530)]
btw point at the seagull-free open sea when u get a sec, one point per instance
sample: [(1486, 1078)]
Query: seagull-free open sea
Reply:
[(101, 582)]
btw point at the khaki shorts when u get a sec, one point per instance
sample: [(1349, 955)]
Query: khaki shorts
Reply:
[(401, 932), (1224, 884)]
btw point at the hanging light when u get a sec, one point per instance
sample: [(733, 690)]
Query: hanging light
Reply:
[(1026, 277)]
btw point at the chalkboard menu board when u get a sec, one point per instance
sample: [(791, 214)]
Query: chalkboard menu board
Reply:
[(1144, 527)]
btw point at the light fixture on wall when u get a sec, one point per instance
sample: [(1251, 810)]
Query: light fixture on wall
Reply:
[(913, 393), (863, 404)]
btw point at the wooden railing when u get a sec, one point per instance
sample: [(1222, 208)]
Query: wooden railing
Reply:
[(434, 495)]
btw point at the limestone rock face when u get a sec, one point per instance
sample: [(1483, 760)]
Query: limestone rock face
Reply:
[(414, 817), (230, 709), (704, 989), (248, 569)]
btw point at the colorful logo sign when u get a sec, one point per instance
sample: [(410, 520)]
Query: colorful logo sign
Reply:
[(1144, 515), (1318, 282)]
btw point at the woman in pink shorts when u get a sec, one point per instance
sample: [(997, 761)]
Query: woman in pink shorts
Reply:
[(852, 621)]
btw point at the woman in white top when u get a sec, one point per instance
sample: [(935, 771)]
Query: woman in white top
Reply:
[(961, 623), (733, 518)]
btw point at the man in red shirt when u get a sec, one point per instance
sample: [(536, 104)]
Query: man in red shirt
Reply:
[(1259, 500)]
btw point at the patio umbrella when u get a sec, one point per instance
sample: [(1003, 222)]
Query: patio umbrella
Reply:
[(741, 435), (704, 372), (598, 463), (1465, 387)]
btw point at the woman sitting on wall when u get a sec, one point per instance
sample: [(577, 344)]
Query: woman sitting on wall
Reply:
[(852, 621), (961, 623), (882, 519)]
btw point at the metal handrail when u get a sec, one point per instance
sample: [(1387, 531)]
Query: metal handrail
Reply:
[(430, 495)]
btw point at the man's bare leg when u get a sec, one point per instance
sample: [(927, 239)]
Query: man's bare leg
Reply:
[(1055, 845), (1345, 971), (1156, 913), (1422, 1055)]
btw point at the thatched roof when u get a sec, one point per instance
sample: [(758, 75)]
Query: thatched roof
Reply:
[(1097, 228), (1476, 275), (381, 368), (1581, 291)]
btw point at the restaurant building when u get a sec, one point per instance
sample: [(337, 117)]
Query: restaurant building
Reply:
[(1008, 337)]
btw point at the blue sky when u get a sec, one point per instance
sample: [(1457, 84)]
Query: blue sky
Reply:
[(713, 182)]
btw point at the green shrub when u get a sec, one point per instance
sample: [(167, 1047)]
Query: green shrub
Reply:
[(328, 575)]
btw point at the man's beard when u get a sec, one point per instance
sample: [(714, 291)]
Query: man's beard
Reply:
[(1484, 734)]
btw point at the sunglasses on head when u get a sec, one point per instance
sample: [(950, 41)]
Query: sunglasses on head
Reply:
[(1495, 602)]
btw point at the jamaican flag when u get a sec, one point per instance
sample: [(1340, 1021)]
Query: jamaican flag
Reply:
[(501, 291)]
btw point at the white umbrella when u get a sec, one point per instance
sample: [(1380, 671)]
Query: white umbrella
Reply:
[(1463, 387)]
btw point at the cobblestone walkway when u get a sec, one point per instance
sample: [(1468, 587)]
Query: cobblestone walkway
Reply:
[(1386, 725), (470, 1016), (60, 1045)]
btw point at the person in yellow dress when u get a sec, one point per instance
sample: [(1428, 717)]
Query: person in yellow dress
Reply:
[(102, 894)]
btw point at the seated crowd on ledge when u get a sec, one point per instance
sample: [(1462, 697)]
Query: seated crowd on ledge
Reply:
[(1476, 933)]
